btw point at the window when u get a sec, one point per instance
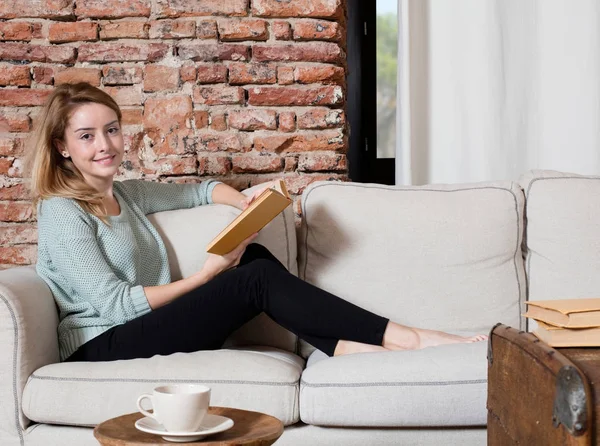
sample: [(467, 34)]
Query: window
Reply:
[(372, 62)]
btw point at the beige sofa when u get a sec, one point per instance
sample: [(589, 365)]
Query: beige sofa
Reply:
[(447, 257)]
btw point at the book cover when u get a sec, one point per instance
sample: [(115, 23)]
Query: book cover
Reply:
[(568, 313), (263, 209), (567, 337)]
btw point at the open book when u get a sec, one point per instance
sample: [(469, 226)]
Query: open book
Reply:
[(263, 209), (568, 313)]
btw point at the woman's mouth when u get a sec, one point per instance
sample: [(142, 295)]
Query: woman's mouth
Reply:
[(106, 161)]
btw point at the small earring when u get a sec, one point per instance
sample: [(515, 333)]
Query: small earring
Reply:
[(65, 154)]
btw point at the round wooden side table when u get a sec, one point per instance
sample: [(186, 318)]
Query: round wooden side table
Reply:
[(250, 428)]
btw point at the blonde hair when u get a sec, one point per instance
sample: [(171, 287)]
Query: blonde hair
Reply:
[(53, 175)]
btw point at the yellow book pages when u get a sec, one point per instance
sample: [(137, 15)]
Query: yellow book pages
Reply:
[(568, 337), (265, 208), (571, 313)]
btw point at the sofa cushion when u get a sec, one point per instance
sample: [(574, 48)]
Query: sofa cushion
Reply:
[(443, 257), (84, 393), (439, 386), (187, 232), (563, 235)]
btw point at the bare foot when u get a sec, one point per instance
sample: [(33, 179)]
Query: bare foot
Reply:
[(431, 338), (344, 347)]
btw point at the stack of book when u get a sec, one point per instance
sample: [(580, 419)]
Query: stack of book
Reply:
[(566, 323)]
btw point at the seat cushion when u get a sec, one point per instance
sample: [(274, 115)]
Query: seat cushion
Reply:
[(562, 235), (187, 232), (84, 393), (437, 386), (444, 257)]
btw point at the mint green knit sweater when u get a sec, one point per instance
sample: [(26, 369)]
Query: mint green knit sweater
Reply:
[(97, 273)]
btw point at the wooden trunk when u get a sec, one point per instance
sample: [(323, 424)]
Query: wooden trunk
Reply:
[(538, 395)]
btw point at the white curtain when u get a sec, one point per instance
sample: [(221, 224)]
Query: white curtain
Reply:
[(489, 89)]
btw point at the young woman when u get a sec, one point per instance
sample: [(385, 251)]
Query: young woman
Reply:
[(107, 266)]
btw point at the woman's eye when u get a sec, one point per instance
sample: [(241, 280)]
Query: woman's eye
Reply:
[(86, 136), (113, 130)]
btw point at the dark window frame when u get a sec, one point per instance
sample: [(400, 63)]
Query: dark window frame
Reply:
[(361, 104)]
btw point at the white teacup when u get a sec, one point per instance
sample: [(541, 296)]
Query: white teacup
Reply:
[(179, 408)]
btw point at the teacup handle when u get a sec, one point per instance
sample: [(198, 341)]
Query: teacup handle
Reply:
[(139, 405)]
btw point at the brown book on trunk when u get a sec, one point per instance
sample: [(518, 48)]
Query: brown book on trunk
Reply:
[(263, 209), (567, 337), (568, 313)]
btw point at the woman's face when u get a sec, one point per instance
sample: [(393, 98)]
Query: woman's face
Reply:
[(94, 142)]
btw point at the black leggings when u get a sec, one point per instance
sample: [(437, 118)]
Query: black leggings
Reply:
[(203, 318)]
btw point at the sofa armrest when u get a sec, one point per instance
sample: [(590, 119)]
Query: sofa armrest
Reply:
[(28, 341)]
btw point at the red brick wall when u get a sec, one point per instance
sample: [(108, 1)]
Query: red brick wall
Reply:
[(239, 90)]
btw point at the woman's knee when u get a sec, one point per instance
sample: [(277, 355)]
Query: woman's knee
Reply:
[(254, 252)]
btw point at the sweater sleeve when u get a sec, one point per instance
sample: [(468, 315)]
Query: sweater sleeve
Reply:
[(154, 197), (80, 262)]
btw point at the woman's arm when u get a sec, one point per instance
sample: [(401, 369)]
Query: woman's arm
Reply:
[(163, 294), (224, 194)]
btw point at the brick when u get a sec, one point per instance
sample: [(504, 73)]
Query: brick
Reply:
[(301, 142), (252, 73), (321, 118), (218, 95), (231, 30), (39, 9), (187, 74), (206, 52), (15, 76), (317, 30), (281, 30), (18, 254), (256, 163), (132, 116), (168, 113), (304, 8), (214, 164), (43, 75), (15, 211), (291, 164), (74, 75), (200, 119), (211, 74), (116, 75), (218, 121), (159, 78), (287, 121), (316, 162), (172, 29), (17, 234), (25, 53), (217, 142), (113, 9), (324, 74), (128, 95), (124, 30), (176, 166), (285, 75), (14, 192), (72, 32), (206, 29), (24, 31), (297, 183), (253, 119), (23, 97), (329, 95), (120, 52), (299, 52), (165, 144), (186, 8), (14, 122), (11, 146)]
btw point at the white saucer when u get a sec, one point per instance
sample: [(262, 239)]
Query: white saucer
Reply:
[(211, 424)]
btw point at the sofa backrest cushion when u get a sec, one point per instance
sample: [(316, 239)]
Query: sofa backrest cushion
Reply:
[(562, 235), (187, 232), (442, 257)]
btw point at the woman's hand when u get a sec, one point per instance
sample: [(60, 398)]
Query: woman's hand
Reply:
[(216, 264), (250, 199)]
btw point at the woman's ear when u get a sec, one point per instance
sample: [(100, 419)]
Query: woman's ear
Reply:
[(60, 146)]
